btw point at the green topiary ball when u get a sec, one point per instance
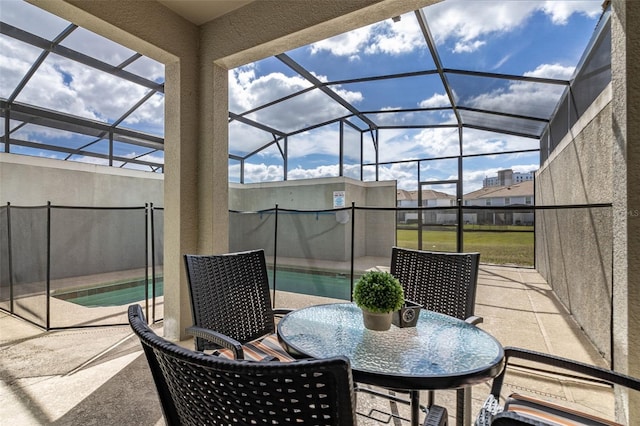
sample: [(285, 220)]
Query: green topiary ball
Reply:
[(378, 292)]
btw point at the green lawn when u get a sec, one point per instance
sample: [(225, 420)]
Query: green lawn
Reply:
[(495, 247)]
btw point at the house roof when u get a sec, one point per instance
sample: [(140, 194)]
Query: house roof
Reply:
[(427, 194), (521, 189)]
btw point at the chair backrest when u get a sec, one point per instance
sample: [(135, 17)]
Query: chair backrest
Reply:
[(200, 389), (230, 294), (441, 282)]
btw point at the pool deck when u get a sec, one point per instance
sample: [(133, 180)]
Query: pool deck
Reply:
[(99, 375)]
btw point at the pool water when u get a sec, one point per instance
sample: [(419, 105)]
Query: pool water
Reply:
[(112, 295), (315, 283)]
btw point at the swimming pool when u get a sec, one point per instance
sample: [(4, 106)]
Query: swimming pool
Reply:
[(119, 294), (316, 283)]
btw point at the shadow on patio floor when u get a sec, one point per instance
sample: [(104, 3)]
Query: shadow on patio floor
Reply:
[(100, 376)]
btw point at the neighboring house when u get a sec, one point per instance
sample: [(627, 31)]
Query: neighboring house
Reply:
[(519, 194), (430, 198)]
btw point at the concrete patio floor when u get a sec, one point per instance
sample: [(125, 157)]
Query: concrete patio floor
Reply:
[(100, 376)]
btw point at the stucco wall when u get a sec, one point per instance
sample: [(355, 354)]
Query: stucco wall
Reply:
[(574, 246), (83, 241), (311, 235), (33, 181)]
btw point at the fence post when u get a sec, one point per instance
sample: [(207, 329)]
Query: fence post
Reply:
[(146, 261), (275, 256), (9, 257), (353, 228), (48, 290), (153, 266)]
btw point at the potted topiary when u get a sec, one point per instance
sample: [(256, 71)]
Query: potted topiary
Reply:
[(378, 294)]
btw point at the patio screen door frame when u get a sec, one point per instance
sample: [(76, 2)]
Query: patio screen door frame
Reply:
[(457, 207)]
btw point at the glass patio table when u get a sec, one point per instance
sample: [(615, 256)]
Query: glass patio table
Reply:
[(440, 352)]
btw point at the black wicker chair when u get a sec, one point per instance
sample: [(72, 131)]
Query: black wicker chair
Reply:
[(440, 282), (200, 389), (521, 409), (231, 306)]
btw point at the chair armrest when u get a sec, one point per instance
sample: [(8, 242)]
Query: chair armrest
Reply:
[(217, 338), (600, 373), (474, 320)]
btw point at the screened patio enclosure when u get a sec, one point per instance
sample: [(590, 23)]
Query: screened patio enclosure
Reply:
[(464, 119), (358, 134), (359, 113)]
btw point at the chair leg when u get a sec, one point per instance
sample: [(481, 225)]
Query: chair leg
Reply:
[(463, 407), (431, 398), (415, 408)]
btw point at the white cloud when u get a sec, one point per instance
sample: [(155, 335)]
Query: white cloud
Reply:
[(323, 141), (403, 173), (437, 142), (148, 68), (42, 134), (63, 85), (435, 101), (468, 46), (395, 38), (348, 44), (69, 87), (387, 37), (541, 98), (468, 23), (552, 71), (150, 114), (262, 172), (247, 91), (560, 11), (15, 61)]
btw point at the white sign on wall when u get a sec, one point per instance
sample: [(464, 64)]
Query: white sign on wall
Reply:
[(338, 199)]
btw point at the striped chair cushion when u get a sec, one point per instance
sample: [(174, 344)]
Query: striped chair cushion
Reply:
[(550, 413), (257, 350)]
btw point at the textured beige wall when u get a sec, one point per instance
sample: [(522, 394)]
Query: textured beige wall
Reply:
[(33, 181), (625, 51), (321, 237), (574, 246), (600, 263)]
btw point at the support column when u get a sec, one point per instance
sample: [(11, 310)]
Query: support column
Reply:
[(213, 158), (181, 198)]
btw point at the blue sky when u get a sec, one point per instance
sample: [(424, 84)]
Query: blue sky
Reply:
[(528, 38)]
